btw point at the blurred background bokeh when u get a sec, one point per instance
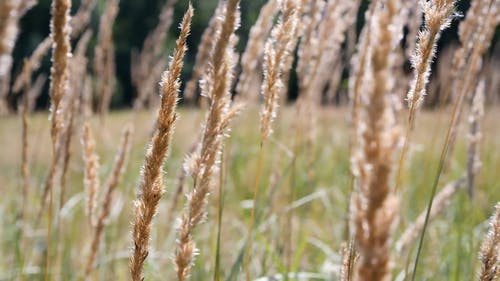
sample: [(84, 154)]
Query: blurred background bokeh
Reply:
[(137, 18)]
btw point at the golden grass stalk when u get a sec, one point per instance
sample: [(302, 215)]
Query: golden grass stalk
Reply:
[(490, 250), (151, 184), (59, 75), (104, 60), (111, 184), (437, 17), (216, 87), (61, 50), (91, 172), (277, 49), (348, 260), (441, 201), (148, 65), (374, 207), (474, 137), (254, 51), (203, 54)]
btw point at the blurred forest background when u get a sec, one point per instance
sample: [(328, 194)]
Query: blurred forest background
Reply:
[(137, 18)]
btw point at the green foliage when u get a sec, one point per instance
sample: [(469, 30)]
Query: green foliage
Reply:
[(319, 179)]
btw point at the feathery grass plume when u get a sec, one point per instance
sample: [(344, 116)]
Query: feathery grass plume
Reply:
[(437, 17), (469, 58), (149, 63), (11, 12), (474, 137), (202, 55), (339, 16), (216, 87), (61, 50), (490, 250), (482, 38), (309, 42), (104, 60), (91, 172), (79, 22), (251, 59), (277, 48), (441, 202), (358, 67), (374, 206), (107, 200), (151, 184), (59, 74)]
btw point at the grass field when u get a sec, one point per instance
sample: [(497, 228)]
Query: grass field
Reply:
[(301, 219)]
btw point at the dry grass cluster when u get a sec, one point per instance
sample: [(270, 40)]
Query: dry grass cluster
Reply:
[(252, 189)]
